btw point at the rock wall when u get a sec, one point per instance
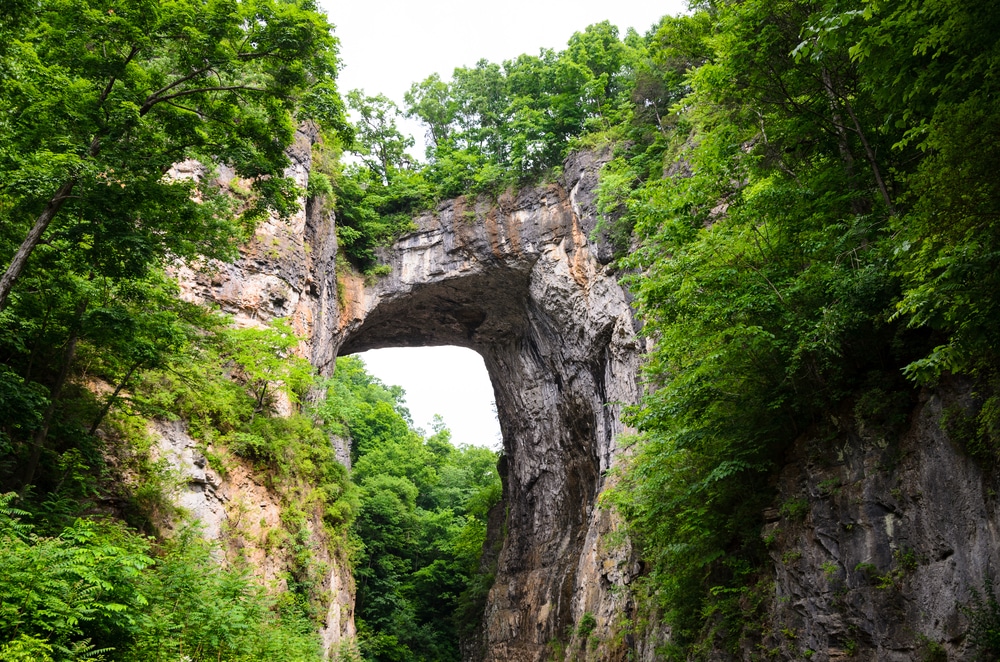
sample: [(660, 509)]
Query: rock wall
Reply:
[(243, 514), (879, 538), (286, 271)]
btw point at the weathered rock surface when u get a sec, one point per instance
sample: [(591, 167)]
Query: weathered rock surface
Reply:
[(880, 541), (286, 271), (244, 516)]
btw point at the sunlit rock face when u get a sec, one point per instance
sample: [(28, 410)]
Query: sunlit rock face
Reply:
[(285, 271), (519, 281)]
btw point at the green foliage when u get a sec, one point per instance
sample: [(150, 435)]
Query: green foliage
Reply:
[(983, 612), (586, 625), (794, 509), (89, 133), (932, 71), (99, 591), (495, 125), (371, 212), (264, 361), (206, 612), (421, 524), (61, 593)]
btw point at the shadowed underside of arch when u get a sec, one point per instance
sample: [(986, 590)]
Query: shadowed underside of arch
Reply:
[(518, 281)]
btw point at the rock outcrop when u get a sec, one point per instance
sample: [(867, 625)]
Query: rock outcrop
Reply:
[(286, 271), (879, 538), (239, 511)]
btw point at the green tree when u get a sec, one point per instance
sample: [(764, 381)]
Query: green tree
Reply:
[(431, 101), (90, 132), (377, 140), (931, 69), (421, 523)]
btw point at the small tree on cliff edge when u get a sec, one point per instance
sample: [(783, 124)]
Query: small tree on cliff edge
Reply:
[(99, 98)]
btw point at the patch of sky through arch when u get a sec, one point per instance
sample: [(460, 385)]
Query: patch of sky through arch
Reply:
[(448, 381)]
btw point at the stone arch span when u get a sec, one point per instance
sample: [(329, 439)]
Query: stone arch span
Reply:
[(518, 280)]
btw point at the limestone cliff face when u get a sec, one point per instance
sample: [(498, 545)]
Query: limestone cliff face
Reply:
[(285, 271), (237, 509), (519, 281)]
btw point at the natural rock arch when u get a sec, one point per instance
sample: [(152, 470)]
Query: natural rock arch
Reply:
[(519, 281)]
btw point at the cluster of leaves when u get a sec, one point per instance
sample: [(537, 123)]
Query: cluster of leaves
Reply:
[(420, 527), (494, 125), (100, 591)]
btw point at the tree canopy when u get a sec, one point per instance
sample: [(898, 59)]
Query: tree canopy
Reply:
[(101, 98)]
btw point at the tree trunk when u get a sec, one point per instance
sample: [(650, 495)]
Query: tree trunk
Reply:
[(114, 396), (872, 160), (34, 236)]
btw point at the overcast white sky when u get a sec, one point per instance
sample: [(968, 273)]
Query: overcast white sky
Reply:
[(386, 45), (450, 381)]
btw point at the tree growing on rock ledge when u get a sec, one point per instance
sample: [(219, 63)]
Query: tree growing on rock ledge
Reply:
[(99, 98)]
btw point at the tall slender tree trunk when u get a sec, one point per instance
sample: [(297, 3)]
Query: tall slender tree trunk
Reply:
[(872, 160), (859, 205), (836, 100), (114, 397), (31, 241)]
